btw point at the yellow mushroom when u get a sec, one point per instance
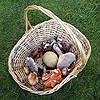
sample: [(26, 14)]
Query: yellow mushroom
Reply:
[(26, 69)]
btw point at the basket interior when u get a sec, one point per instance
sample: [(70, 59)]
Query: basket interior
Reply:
[(42, 32)]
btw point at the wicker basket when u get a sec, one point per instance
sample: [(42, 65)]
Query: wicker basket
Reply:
[(43, 32)]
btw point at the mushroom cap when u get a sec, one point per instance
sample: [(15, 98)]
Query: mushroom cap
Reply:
[(50, 59), (65, 60), (51, 79)]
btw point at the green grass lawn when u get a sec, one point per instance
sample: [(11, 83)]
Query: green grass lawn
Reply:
[(83, 14)]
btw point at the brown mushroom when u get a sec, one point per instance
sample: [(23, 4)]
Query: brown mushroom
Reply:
[(32, 78)]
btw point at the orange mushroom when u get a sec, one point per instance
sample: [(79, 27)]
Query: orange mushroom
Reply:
[(53, 73), (47, 83), (53, 83), (58, 71), (51, 79), (58, 79), (46, 76)]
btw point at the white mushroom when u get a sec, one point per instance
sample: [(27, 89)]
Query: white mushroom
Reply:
[(53, 41), (46, 45), (31, 64), (65, 71)]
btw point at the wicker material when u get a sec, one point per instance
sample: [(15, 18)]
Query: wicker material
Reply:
[(43, 32)]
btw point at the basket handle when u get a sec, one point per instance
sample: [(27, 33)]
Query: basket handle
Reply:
[(35, 7), (66, 28)]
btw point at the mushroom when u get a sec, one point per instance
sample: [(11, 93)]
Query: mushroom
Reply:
[(64, 71), (51, 82), (52, 74), (32, 78), (53, 41), (51, 79), (26, 69), (65, 60), (46, 45), (59, 42), (50, 59), (31, 64)]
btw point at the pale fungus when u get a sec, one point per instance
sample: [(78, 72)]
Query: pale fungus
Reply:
[(50, 59)]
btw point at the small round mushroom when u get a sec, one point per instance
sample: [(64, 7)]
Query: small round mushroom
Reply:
[(26, 69), (50, 59)]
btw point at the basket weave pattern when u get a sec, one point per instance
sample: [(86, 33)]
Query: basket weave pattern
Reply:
[(43, 32)]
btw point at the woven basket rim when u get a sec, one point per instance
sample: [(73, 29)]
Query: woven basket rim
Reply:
[(23, 37)]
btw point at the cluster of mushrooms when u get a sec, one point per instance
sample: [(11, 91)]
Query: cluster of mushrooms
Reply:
[(49, 64)]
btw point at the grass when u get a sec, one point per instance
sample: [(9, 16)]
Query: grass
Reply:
[(83, 14)]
